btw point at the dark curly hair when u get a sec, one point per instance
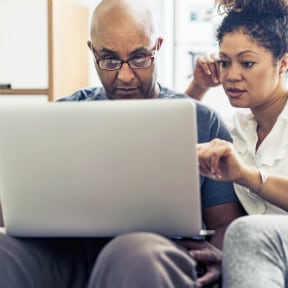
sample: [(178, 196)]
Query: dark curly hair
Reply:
[(265, 21)]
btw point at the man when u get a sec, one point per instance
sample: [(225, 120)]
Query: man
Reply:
[(125, 44)]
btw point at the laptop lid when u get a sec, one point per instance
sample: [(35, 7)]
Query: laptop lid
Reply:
[(100, 168)]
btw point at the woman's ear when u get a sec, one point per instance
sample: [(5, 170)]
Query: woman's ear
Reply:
[(283, 64)]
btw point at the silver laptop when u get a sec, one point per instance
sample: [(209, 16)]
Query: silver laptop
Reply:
[(100, 168)]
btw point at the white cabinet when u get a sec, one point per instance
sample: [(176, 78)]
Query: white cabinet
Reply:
[(43, 47), (24, 43)]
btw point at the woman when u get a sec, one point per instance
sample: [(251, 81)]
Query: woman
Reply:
[(252, 63), (253, 60)]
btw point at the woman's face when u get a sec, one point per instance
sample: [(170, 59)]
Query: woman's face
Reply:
[(249, 74)]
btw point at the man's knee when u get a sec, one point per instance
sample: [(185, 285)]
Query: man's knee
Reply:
[(12, 268), (142, 248), (143, 258)]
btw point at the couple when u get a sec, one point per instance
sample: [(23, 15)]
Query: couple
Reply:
[(253, 43)]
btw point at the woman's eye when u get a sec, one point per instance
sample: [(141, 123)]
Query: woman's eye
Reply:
[(223, 63), (247, 64)]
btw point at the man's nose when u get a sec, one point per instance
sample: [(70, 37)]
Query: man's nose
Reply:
[(125, 73)]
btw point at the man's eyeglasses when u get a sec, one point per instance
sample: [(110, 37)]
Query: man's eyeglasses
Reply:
[(137, 62)]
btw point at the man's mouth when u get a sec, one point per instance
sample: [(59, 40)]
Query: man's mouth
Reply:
[(126, 92)]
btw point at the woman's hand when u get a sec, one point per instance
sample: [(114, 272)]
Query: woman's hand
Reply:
[(219, 160), (205, 75), (206, 72)]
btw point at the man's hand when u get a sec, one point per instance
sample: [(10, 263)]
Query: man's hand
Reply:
[(208, 257)]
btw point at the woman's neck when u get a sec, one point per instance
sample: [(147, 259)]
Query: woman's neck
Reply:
[(267, 115)]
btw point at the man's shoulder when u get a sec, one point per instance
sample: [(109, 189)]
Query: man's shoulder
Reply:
[(205, 111), (86, 94), (201, 108), (170, 94), (205, 114)]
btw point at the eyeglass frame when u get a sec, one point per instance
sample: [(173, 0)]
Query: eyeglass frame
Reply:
[(121, 61)]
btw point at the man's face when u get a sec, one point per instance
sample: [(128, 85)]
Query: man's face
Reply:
[(126, 42)]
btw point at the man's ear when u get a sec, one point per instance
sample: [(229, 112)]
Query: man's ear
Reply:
[(284, 63), (159, 43)]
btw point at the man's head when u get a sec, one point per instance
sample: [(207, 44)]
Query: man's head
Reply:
[(124, 30)]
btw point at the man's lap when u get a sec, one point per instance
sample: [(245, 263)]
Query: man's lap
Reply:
[(49, 262)]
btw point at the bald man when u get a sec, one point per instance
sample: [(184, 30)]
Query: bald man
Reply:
[(125, 43)]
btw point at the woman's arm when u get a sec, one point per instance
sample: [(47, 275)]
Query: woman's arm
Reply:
[(273, 190), (219, 160)]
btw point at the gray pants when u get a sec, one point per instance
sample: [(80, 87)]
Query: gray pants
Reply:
[(143, 260), (256, 252), (131, 260)]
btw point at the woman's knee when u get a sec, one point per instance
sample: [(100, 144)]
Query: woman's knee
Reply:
[(245, 229)]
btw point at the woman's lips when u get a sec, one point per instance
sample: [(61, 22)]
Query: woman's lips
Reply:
[(234, 92)]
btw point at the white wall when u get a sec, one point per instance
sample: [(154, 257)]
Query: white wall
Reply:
[(195, 25), (173, 17)]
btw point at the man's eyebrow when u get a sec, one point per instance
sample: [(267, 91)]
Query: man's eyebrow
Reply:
[(106, 50), (141, 49), (111, 52)]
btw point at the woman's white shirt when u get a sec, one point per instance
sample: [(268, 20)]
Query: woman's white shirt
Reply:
[(271, 156)]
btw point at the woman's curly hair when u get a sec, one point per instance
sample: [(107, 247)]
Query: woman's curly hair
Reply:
[(265, 21)]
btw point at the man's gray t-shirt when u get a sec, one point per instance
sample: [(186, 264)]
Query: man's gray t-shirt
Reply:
[(210, 126)]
